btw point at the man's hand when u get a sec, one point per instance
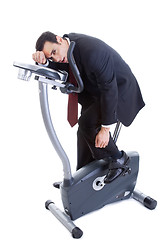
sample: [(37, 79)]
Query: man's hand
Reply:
[(39, 57), (102, 138)]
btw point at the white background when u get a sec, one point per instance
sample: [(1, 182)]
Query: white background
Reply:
[(28, 163)]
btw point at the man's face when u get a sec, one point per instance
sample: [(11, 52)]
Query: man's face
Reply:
[(56, 51)]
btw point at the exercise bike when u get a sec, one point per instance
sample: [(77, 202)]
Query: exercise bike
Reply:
[(85, 190)]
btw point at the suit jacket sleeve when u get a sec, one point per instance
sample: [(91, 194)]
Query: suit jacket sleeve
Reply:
[(58, 66), (102, 69)]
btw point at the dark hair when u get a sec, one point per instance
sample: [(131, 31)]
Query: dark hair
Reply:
[(46, 36)]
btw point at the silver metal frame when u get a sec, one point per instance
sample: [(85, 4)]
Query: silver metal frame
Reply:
[(61, 216), (117, 131), (43, 93)]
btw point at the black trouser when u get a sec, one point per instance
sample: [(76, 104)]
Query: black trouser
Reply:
[(89, 126)]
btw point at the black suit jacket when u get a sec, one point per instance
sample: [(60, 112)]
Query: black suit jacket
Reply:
[(108, 78)]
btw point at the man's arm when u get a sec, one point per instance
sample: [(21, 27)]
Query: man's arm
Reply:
[(40, 58), (103, 70)]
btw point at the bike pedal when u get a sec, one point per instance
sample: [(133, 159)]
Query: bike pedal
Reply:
[(127, 171)]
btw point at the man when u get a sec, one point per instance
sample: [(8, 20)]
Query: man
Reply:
[(111, 93)]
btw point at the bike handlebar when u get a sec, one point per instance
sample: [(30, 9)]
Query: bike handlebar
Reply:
[(75, 70)]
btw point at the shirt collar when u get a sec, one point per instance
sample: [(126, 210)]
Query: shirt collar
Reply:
[(68, 40)]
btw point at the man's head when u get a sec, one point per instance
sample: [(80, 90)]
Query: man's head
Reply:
[(53, 46)]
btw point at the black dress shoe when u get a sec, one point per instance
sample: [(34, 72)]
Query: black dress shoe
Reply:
[(117, 167)]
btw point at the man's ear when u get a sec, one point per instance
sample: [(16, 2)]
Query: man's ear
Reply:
[(59, 39)]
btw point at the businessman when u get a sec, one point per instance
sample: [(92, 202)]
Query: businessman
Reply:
[(111, 93)]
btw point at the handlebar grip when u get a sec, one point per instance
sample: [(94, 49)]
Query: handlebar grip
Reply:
[(74, 69)]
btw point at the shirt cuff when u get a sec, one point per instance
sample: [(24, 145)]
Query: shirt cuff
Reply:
[(44, 65), (106, 126)]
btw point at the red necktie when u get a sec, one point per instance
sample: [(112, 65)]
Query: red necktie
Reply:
[(72, 102)]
